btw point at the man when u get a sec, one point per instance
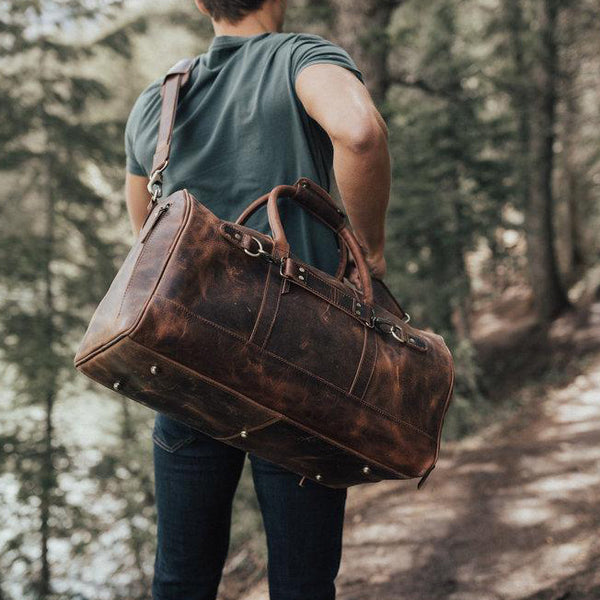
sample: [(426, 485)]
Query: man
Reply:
[(262, 108)]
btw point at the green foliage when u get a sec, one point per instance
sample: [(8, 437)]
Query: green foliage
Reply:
[(56, 257), (449, 172)]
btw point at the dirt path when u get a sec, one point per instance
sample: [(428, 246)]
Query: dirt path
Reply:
[(510, 513)]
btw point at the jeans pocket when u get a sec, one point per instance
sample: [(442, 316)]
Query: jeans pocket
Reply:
[(171, 435)]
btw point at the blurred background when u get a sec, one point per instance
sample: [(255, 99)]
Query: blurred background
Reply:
[(493, 108)]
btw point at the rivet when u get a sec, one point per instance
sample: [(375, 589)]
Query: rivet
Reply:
[(301, 277), (358, 304), (301, 269), (117, 385), (366, 470), (243, 434), (237, 236), (154, 370), (411, 339), (304, 184), (318, 477), (357, 311)]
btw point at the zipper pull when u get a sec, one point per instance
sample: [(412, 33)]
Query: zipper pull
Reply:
[(158, 213)]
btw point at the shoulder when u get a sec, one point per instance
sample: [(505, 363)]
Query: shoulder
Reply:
[(295, 41), (309, 48), (148, 98), (311, 40)]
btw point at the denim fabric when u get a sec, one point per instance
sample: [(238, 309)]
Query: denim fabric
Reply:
[(196, 478)]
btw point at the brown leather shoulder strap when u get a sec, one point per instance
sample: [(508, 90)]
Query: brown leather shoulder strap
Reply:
[(173, 81)]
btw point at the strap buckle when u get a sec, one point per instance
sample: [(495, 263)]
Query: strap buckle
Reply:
[(154, 186), (389, 328), (261, 252)]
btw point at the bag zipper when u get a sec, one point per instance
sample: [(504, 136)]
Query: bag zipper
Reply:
[(157, 215)]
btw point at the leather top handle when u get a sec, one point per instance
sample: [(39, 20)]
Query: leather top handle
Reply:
[(281, 247), (313, 198), (316, 201), (174, 80)]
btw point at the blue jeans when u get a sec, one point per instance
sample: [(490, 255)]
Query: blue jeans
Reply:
[(195, 479)]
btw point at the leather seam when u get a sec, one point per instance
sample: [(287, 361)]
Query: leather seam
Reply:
[(313, 291), (372, 366), (262, 303), (182, 227), (378, 410), (270, 330), (283, 417), (360, 362), (267, 423)]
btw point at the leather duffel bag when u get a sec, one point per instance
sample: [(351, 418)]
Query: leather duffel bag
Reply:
[(221, 327)]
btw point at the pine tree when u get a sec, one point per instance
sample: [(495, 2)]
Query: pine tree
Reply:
[(61, 154), (449, 172), (548, 291)]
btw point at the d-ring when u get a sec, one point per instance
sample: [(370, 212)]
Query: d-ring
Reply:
[(393, 331), (260, 249)]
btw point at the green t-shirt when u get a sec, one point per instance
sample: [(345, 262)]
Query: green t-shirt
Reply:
[(240, 130)]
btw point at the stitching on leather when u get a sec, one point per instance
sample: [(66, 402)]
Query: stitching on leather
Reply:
[(376, 338), (302, 370), (262, 303), (193, 314), (329, 285), (271, 354), (313, 291), (272, 421), (279, 294), (360, 362), (182, 227), (137, 260), (284, 418)]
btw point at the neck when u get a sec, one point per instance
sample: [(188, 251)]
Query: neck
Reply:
[(260, 21)]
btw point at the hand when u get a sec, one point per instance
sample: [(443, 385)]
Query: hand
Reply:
[(377, 268), (377, 265)]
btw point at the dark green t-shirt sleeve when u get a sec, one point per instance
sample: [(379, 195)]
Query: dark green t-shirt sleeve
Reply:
[(311, 49), (132, 164)]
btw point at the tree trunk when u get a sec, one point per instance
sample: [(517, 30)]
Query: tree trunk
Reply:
[(361, 29), (47, 460), (570, 129), (549, 295), (520, 95), (47, 484)]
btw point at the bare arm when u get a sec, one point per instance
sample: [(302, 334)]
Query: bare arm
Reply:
[(341, 104), (137, 198)]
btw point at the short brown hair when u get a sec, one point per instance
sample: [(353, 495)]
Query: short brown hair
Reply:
[(231, 10)]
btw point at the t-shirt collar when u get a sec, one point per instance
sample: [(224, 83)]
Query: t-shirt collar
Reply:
[(228, 41)]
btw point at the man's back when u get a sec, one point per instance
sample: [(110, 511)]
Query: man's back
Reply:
[(241, 130), (253, 117)]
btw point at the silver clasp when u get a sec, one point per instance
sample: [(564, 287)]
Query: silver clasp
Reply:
[(154, 186), (261, 252)]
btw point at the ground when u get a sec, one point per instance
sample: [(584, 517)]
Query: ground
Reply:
[(509, 513)]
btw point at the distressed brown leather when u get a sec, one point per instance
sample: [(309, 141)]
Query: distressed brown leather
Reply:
[(223, 328)]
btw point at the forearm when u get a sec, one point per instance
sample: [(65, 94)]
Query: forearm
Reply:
[(363, 176), (137, 197)]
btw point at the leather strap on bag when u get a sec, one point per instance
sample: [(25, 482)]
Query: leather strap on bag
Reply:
[(317, 202), (174, 80), (281, 247)]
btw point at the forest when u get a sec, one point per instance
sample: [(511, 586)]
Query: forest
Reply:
[(493, 110)]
